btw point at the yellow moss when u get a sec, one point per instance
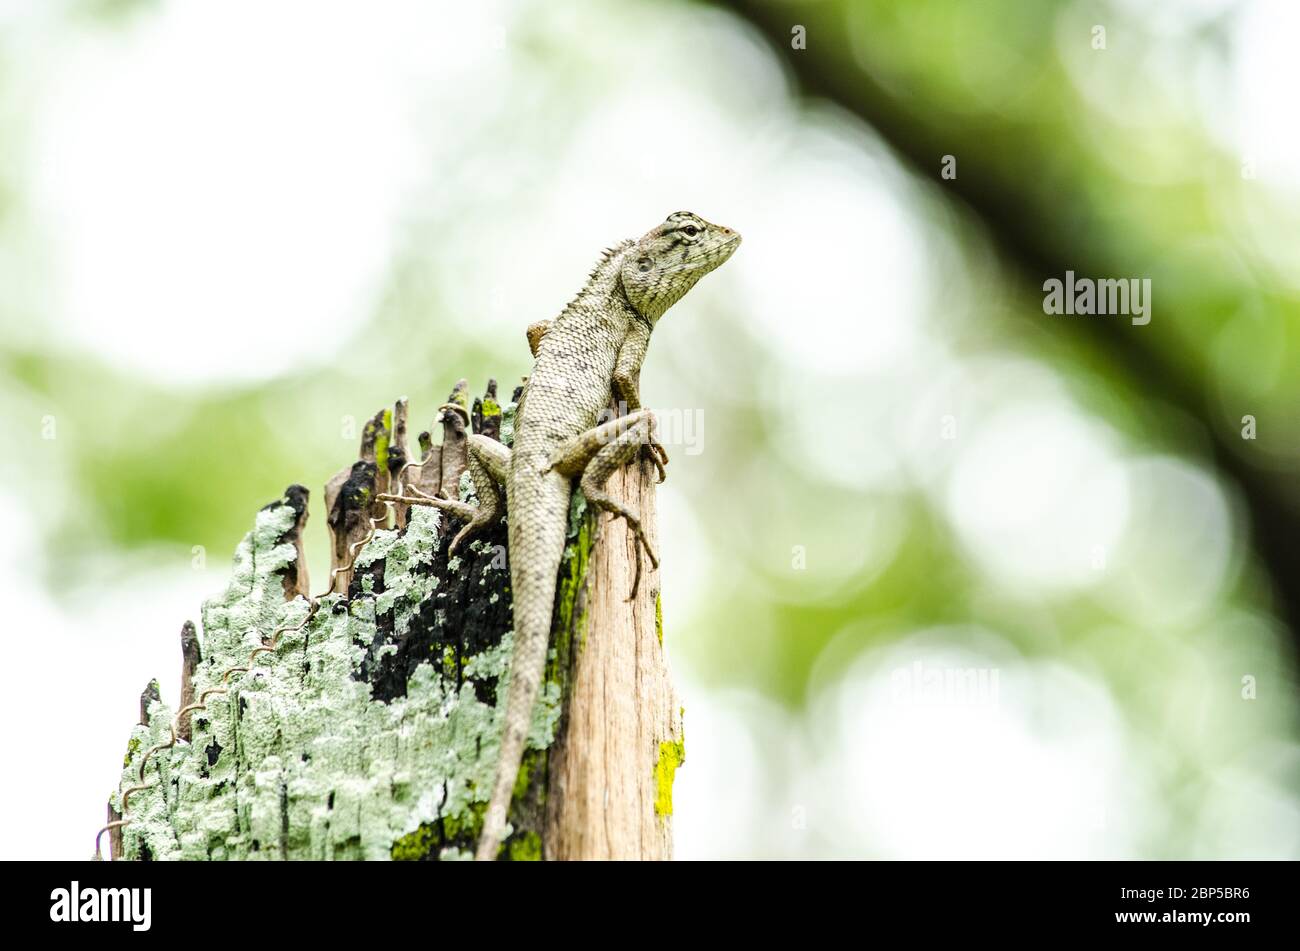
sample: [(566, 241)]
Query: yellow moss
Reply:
[(449, 661), (414, 845), (466, 825), (579, 551), (527, 848), (382, 440), (671, 755)]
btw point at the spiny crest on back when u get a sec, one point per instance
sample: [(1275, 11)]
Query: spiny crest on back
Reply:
[(607, 257), (603, 274)]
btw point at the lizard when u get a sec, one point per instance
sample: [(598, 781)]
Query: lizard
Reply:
[(584, 358)]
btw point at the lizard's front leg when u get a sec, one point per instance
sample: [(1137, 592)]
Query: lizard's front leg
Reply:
[(487, 461), (595, 455), (626, 383), (535, 332)]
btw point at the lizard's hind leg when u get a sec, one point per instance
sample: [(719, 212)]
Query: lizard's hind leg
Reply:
[(573, 455), (597, 454), (487, 461)]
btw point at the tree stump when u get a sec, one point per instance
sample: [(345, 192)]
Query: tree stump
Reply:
[(365, 723)]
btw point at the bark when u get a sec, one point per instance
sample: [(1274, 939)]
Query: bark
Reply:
[(622, 725), (192, 653), (368, 726)]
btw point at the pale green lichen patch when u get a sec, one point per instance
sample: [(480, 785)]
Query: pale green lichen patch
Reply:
[(372, 732), (299, 760), (495, 662), (405, 588), (508, 413)]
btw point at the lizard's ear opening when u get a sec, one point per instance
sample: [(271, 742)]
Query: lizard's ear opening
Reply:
[(638, 276)]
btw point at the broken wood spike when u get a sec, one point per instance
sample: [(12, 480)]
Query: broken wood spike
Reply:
[(191, 656), (296, 580), (487, 413), (148, 696), (455, 418), (400, 466)]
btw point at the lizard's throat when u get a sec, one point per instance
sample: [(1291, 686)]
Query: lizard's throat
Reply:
[(649, 319)]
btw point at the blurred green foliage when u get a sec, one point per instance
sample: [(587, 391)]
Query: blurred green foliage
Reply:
[(1107, 163)]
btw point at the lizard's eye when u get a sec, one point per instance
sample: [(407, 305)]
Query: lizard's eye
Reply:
[(643, 265), (691, 230)]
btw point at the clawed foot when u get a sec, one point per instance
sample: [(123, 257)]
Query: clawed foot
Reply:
[(656, 453), (460, 537), (470, 513), (476, 520)]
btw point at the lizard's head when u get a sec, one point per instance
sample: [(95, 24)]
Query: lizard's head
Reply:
[(667, 262)]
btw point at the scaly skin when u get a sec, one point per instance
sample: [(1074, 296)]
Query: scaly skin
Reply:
[(591, 352)]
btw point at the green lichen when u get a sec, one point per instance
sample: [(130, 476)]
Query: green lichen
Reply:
[(671, 755), (490, 407), (526, 848), (379, 433), (659, 617), (448, 838), (508, 413), (525, 777), (298, 760), (571, 616), (450, 661), (466, 825), (382, 441), (416, 845), (405, 587)]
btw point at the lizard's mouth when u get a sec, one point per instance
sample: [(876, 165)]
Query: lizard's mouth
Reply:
[(728, 246), (711, 256)]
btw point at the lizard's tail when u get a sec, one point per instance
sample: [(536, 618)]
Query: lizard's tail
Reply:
[(526, 671)]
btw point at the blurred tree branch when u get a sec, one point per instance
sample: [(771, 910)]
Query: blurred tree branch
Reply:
[(1043, 211)]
